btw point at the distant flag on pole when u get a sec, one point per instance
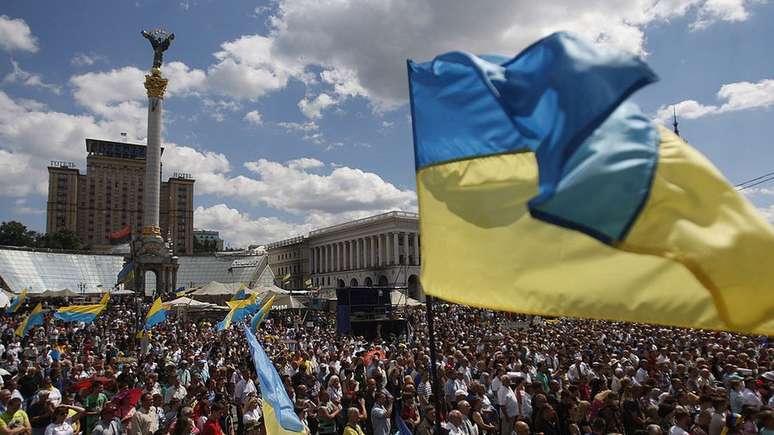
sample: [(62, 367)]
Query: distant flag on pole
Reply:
[(35, 318), (308, 283), (261, 314), (571, 201), (126, 274), (17, 302), (278, 411)]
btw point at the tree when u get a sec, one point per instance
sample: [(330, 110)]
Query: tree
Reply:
[(16, 234), (62, 239)]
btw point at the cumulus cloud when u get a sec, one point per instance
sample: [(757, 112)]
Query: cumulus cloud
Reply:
[(292, 187), (240, 229), (253, 117), (18, 75), (361, 45), (312, 109), (247, 68), (15, 34), (733, 97)]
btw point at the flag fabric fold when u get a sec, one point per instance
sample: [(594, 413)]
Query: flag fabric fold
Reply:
[(156, 314), (278, 411), (35, 318), (239, 310), (79, 313), (126, 274), (571, 201), (261, 314), (17, 302)]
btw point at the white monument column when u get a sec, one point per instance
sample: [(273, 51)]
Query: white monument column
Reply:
[(155, 84)]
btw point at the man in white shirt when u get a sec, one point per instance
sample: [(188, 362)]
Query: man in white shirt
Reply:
[(682, 423), (244, 387)]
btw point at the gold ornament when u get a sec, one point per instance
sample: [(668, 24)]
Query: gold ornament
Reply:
[(151, 230), (155, 84)]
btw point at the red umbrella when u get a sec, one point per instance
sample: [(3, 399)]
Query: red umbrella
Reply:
[(126, 400), (88, 383)]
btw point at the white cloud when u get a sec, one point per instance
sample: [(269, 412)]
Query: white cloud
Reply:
[(15, 169), (734, 96), (241, 230), (291, 187), (253, 117), (247, 68), (217, 109), (83, 59), (305, 127), (312, 109), (15, 34), (18, 75), (361, 45), (768, 213), (721, 10)]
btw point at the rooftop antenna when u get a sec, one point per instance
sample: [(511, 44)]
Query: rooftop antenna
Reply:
[(674, 121)]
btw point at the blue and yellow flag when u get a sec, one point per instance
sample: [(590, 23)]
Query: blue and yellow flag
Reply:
[(278, 411), (568, 201), (105, 299), (34, 319), (79, 313), (126, 274), (240, 294), (261, 314), (239, 310), (156, 314), (17, 302)]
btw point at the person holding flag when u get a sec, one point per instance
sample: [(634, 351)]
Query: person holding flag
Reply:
[(35, 318), (239, 310), (262, 313), (278, 411), (16, 302)]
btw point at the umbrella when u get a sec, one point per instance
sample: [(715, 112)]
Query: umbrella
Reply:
[(86, 384), (126, 400)]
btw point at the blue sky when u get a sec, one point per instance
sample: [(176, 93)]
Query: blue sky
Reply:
[(292, 114)]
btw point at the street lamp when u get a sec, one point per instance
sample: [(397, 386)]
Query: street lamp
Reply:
[(82, 287)]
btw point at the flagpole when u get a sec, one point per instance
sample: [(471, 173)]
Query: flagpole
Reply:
[(433, 369)]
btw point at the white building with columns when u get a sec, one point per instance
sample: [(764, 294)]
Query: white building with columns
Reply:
[(381, 250)]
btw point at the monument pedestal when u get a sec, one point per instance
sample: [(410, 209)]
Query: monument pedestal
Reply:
[(151, 254)]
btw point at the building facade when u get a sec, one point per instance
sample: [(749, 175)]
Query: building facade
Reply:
[(109, 196), (289, 260), (206, 237), (381, 250)]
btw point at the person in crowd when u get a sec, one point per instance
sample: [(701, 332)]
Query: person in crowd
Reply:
[(108, 423), (62, 423)]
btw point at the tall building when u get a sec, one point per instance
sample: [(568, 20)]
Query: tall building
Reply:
[(109, 197), (207, 237), (381, 250)]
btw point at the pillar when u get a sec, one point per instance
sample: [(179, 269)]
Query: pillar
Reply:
[(395, 254), (405, 249), (415, 236), (373, 251), (357, 254)]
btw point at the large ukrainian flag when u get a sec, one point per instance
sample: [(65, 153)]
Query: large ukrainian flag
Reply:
[(16, 303), (278, 412), (542, 191), (79, 313)]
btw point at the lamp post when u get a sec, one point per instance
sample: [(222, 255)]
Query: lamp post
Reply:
[(82, 287)]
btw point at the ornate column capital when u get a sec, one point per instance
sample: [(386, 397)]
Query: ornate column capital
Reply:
[(155, 84)]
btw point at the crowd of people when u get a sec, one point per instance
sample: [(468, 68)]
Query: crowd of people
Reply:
[(497, 374)]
